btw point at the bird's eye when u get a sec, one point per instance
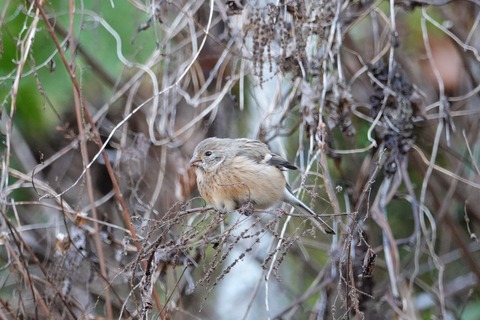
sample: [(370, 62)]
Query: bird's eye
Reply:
[(208, 153)]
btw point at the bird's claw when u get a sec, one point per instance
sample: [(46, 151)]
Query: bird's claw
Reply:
[(246, 209)]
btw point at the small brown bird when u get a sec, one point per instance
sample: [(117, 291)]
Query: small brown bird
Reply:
[(234, 172)]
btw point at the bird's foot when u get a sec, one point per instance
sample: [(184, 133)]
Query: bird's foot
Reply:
[(246, 209)]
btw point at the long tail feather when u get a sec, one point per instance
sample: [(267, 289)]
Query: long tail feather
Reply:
[(303, 208)]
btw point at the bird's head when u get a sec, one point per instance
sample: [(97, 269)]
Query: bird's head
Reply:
[(209, 154)]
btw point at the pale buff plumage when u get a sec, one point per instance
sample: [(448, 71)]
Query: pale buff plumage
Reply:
[(233, 172)]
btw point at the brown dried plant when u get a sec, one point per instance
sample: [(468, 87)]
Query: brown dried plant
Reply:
[(376, 102)]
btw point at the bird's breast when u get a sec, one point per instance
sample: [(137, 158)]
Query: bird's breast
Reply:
[(240, 181)]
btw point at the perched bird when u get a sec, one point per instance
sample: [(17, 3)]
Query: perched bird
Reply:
[(234, 172)]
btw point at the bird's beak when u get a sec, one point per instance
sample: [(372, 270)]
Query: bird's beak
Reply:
[(194, 161)]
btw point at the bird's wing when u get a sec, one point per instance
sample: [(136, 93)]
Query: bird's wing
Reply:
[(277, 161), (259, 152)]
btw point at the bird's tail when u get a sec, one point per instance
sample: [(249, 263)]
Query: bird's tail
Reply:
[(303, 208)]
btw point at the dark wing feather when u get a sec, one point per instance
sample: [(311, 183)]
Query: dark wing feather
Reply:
[(279, 162)]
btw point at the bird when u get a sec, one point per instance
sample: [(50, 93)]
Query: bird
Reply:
[(235, 172)]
